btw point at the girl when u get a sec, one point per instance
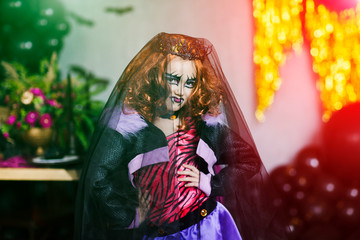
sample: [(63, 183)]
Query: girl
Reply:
[(172, 157)]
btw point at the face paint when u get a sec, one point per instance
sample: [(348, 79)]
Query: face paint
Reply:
[(181, 75)]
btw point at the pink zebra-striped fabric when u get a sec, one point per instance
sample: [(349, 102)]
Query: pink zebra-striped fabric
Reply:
[(170, 199)]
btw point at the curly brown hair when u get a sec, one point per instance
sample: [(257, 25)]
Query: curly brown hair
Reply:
[(148, 89)]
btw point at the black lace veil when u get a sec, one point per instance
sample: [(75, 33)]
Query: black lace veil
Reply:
[(108, 202)]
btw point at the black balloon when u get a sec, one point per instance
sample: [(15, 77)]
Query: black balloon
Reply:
[(294, 228), (317, 210), (352, 194), (15, 12), (62, 28), (299, 197), (328, 187), (24, 48), (6, 30), (293, 211), (31, 31), (354, 235), (42, 24), (51, 19), (53, 10), (24, 43), (348, 214), (53, 43), (279, 202), (304, 181), (309, 160), (282, 177), (341, 143), (322, 232)]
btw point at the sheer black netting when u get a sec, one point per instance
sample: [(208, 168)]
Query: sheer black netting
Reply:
[(172, 156)]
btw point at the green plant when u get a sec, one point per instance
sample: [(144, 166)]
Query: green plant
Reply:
[(43, 100), (30, 98), (85, 109)]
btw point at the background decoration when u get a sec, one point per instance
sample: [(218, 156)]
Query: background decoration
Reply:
[(30, 79), (31, 99), (326, 208), (32, 30), (85, 85), (320, 189), (332, 28), (39, 100), (278, 31), (335, 49), (118, 11), (336, 5), (322, 200), (341, 141), (32, 91)]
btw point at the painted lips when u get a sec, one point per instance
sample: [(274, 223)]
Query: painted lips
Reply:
[(177, 100)]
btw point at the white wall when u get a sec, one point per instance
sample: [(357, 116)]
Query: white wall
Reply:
[(293, 120)]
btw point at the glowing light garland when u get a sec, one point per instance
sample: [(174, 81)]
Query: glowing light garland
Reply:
[(278, 31), (335, 49), (334, 46)]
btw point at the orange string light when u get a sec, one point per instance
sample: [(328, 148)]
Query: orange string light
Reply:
[(335, 49), (278, 31), (334, 46)]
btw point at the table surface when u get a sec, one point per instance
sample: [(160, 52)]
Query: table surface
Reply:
[(39, 174)]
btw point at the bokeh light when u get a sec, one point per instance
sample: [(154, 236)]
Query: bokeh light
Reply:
[(335, 49), (278, 31)]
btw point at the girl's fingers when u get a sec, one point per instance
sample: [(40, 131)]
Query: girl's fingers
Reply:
[(192, 185), (144, 197), (188, 179), (191, 181), (192, 176), (188, 173), (146, 194), (147, 197), (193, 168)]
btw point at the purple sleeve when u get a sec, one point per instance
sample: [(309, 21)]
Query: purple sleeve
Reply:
[(204, 184)]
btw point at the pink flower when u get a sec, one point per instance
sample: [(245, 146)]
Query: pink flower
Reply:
[(31, 118), (53, 103), (45, 120), (15, 161), (18, 125), (11, 120), (6, 135), (37, 92)]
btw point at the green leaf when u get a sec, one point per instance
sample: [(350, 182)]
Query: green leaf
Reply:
[(89, 122), (119, 11), (10, 71), (81, 136), (78, 70), (81, 20), (5, 128)]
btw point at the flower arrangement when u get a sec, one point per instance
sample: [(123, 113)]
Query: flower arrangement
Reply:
[(42, 100), (33, 110), (31, 99)]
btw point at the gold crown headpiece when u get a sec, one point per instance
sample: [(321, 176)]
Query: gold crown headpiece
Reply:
[(184, 46)]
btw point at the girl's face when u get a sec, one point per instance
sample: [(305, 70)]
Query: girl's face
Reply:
[(181, 76)]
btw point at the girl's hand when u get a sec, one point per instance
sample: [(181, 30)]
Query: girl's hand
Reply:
[(144, 204), (192, 176)]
